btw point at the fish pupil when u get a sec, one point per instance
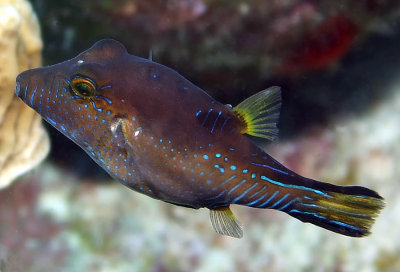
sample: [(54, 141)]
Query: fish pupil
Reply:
[(84, 89)]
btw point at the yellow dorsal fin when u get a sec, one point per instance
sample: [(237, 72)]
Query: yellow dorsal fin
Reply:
[(259, 113), (224, 222)]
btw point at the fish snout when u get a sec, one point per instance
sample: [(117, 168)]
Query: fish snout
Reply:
[(18, 87), (22, 84), (31, 82)]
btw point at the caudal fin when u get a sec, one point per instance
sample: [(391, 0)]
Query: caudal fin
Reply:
[(348, 210)]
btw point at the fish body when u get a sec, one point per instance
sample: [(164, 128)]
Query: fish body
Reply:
[(160, 135)]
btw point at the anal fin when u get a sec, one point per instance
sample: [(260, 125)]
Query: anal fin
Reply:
[(224, 222)]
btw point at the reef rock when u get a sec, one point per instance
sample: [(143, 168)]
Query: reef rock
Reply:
[(23, 141)]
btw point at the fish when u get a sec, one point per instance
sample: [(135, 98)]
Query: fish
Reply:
[(160, 135)]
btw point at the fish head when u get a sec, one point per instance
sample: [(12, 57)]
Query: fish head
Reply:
[(80, 97)]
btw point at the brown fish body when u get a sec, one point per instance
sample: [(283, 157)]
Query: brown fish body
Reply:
[(162, 136)]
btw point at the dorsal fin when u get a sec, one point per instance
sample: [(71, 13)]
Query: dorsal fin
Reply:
[(259, 114)]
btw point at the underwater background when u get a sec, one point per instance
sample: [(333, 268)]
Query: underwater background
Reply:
[(338, 63)]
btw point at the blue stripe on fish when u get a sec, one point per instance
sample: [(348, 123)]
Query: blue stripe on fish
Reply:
[(324, 208), (26, 89), (286, 205), (215, 122), (218, 196), (236, 186), (344, 225), (268, 200), (308, 213), (108, 100), (244, 193), (257, 200), (33, 95), (52, 121), (292, 186), (279, 201), (259, 191), (229, 179), (270, 167), (205, 119), (105, 87), (225, 122)]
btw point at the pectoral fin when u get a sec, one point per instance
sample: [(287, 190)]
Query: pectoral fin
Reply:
[(123, 133), (259, 114), (224, 222)]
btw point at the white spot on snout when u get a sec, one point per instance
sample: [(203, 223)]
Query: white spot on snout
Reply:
[(80, 61)]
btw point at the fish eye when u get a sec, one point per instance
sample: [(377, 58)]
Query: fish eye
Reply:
[(83, 87)]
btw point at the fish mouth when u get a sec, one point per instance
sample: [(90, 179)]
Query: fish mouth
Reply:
[(18, 89)]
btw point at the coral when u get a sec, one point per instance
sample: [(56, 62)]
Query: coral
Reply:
[(23, 141)]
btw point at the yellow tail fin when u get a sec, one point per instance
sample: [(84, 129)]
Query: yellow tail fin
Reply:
[(346, 212)]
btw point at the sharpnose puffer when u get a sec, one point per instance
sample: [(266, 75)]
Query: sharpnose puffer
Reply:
[(160, 135)]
